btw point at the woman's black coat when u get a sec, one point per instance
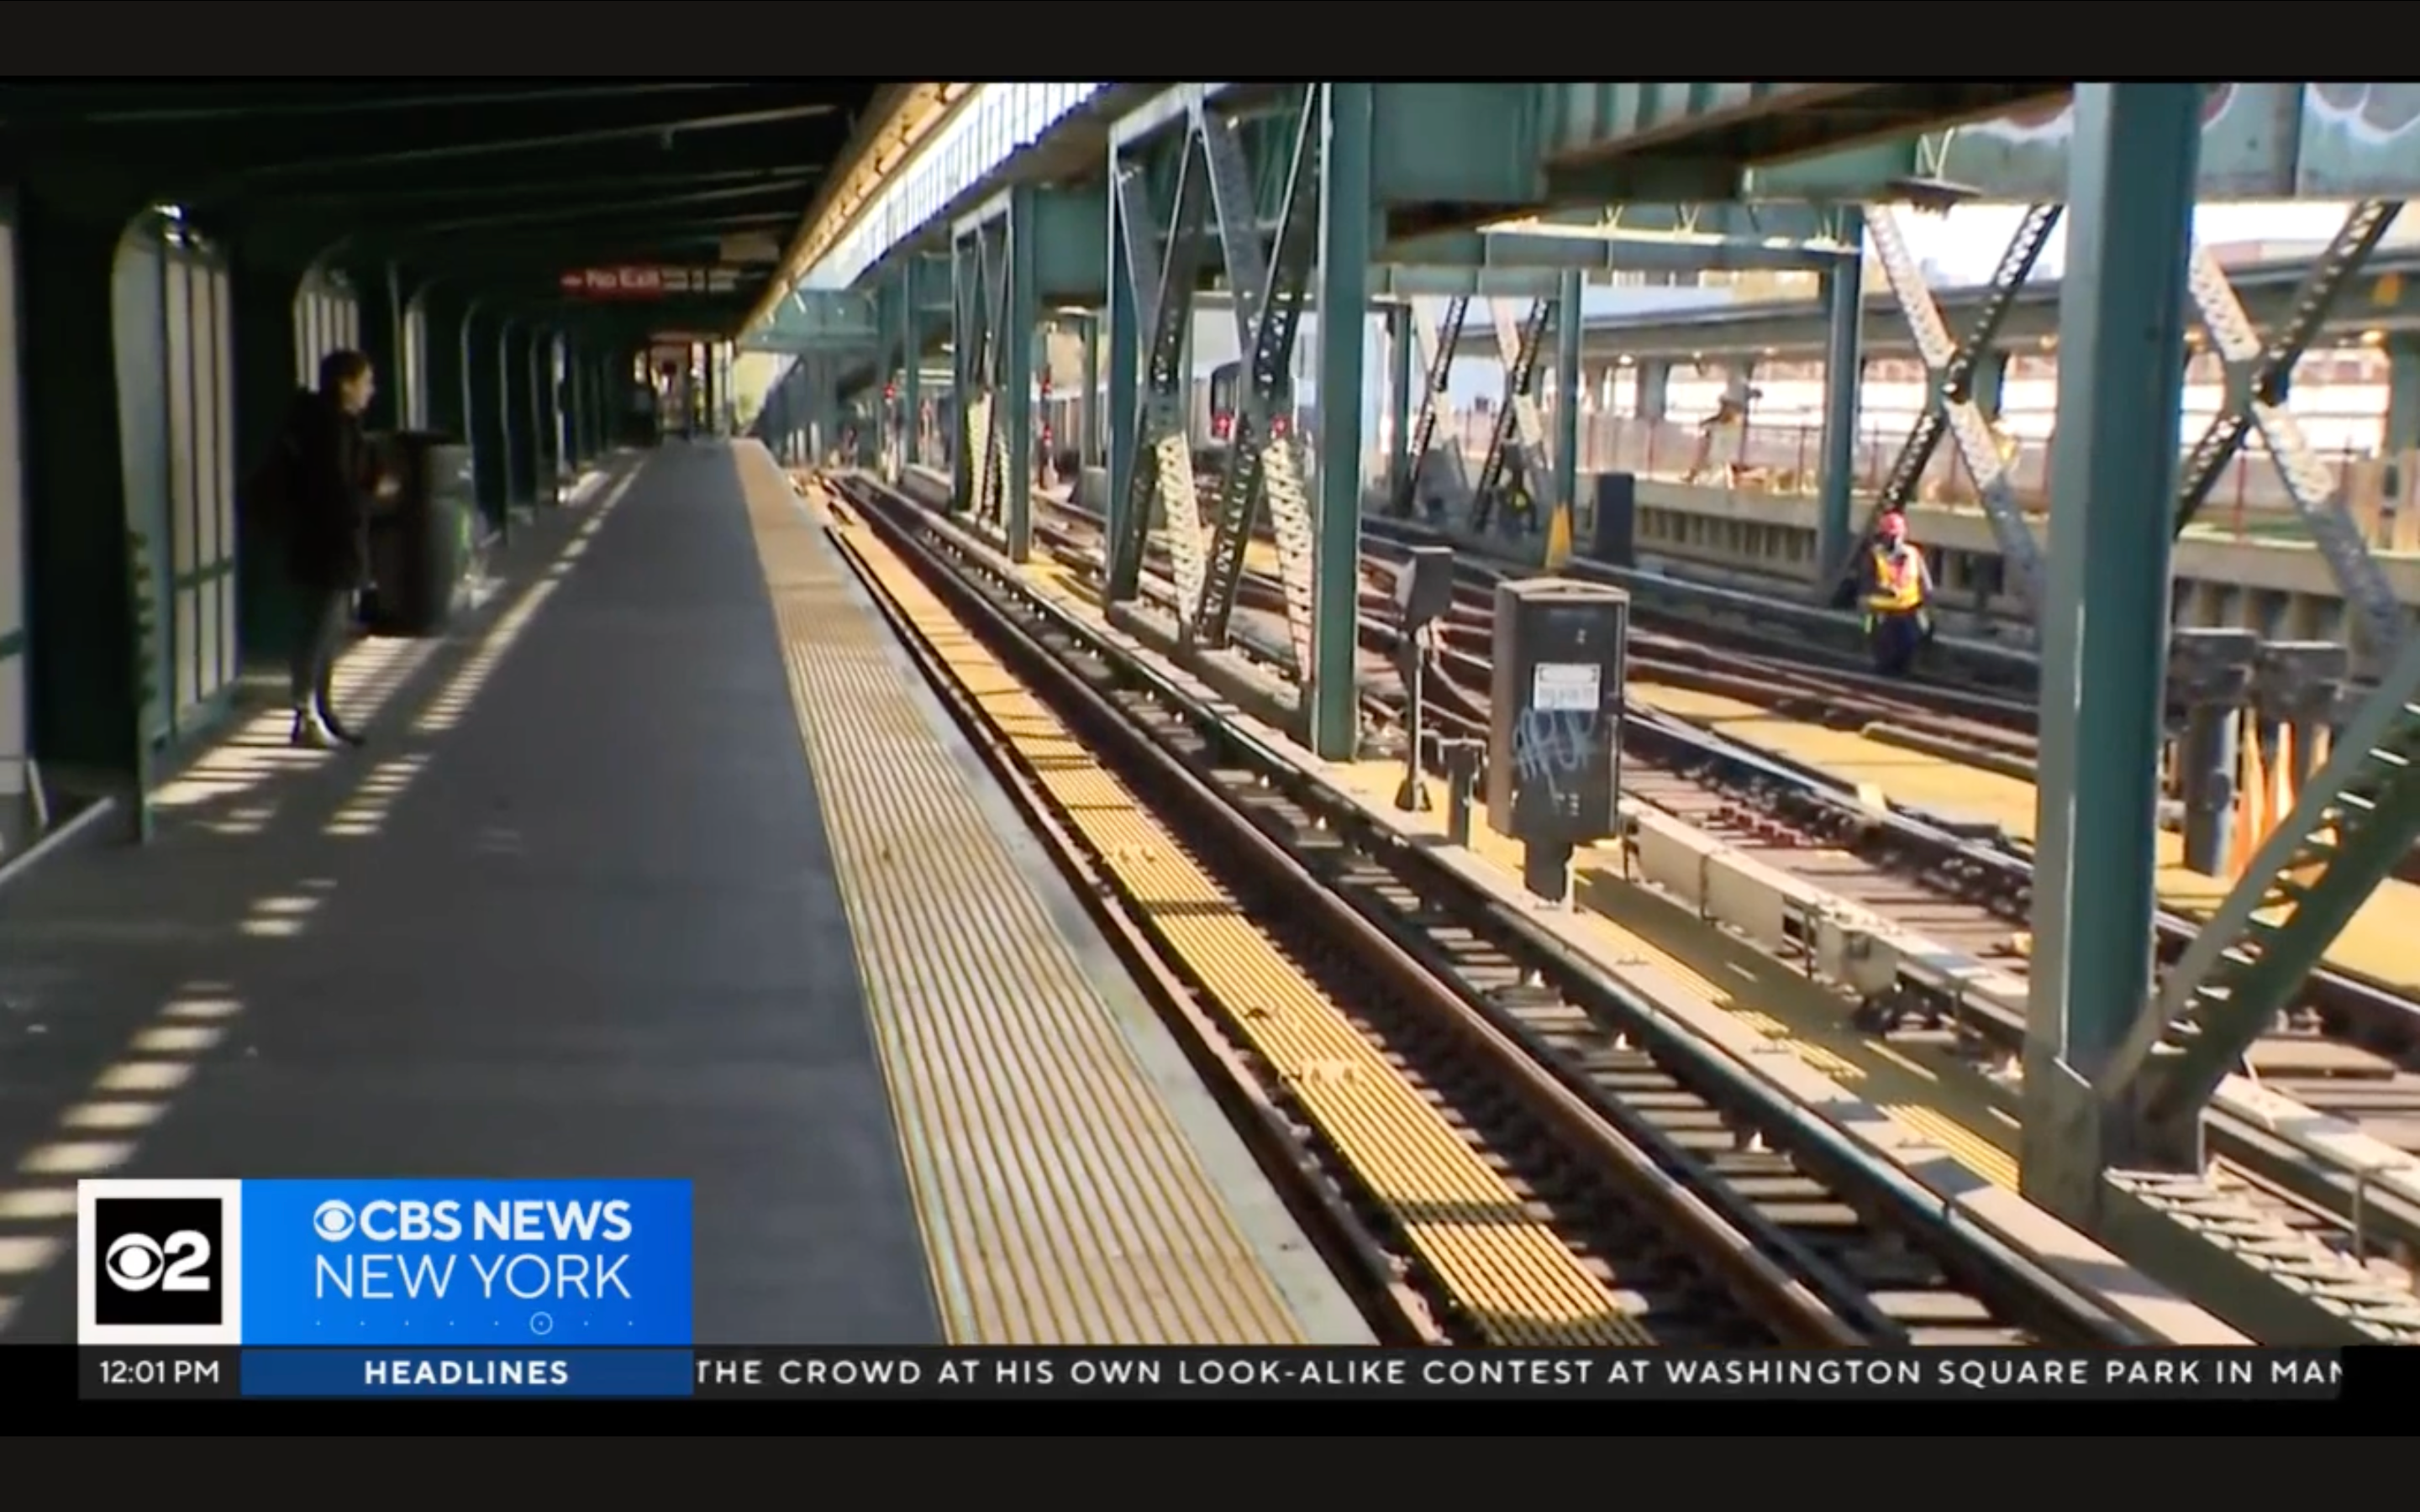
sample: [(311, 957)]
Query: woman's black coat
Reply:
[(328, 485)]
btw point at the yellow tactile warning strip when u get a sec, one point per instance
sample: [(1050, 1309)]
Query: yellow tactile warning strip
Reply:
[(2375, 945), (1512, 1278), (1060, 1202), (1924, 1090)]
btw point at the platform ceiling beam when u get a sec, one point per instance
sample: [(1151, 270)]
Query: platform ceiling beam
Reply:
[(1070, 256), (2258, 141), (2384, 296), (1609, 251)]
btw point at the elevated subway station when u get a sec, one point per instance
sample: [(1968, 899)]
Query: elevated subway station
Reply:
[(1010, 879)]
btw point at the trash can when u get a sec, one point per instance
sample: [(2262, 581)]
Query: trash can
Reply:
[(421, 542)]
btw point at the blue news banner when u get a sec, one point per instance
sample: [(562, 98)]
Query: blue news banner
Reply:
[(385, 1289), (310, 1288)]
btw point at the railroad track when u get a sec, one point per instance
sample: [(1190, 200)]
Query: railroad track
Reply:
[(2348, 1048), (1793, 679), (1700, 1206)]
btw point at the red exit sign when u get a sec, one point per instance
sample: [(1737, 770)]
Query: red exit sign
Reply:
[(615, 283), (647, 282)]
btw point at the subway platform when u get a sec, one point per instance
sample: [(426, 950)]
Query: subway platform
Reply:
[(586, 907)]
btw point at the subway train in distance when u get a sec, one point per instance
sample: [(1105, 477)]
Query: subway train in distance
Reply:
[(1210, 417)]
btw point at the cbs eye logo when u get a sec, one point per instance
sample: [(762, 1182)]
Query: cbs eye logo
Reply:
[(333, 1221), (158, 1261)]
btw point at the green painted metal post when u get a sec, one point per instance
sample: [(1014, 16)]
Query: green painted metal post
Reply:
[(1332, 699), (483, 409), (85, 658), (583, 409), (444, 406), (514, 401), (1571, 324), (374, 298), (911, 378), (538, 376), (1088, 412), (1399, 400), (2402, 392), (965, 339), (2104, 632), (1018, 329), (1844, 368), (398, 336), (1125, 360)]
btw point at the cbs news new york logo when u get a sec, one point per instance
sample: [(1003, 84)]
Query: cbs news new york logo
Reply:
[(160, 1262)]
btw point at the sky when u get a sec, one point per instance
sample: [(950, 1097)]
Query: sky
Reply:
[(1966, 244)]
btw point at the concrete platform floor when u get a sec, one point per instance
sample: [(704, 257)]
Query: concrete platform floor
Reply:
[(571, 914)]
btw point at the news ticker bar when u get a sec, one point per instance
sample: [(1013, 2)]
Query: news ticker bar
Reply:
[(942, 1375)]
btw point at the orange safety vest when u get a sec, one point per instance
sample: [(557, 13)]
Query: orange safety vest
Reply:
[(1899, 582)]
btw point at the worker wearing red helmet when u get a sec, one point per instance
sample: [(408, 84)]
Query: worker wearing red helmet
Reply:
[(1899, 597)]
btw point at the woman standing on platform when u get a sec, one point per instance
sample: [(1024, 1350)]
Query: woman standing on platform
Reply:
[(330, 487)]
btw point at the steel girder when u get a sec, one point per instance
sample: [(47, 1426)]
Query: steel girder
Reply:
[(1952, 363), (1517, 461), (1162, 270), (1609, 251), (1438, 339), (982, 256), (2355, 821), (1272, 287), (2258, 372)]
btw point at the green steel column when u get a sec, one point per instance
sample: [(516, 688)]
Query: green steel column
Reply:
[(911, 379), (1844, 366), (1332, 699), (576, 387), (398, 335), (447, 405), (1570, 326), (1087, 439), (966, 341), (83, 650), (270, 613), (2104, 632), (520, 412), (2402, 392), (483, 401), (1017, 328), (538, 378), (597, 391), (380, 328), (1398, 398), (1125, 360)]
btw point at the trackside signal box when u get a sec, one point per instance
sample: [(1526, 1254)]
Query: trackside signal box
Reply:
[(1553, 747)]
